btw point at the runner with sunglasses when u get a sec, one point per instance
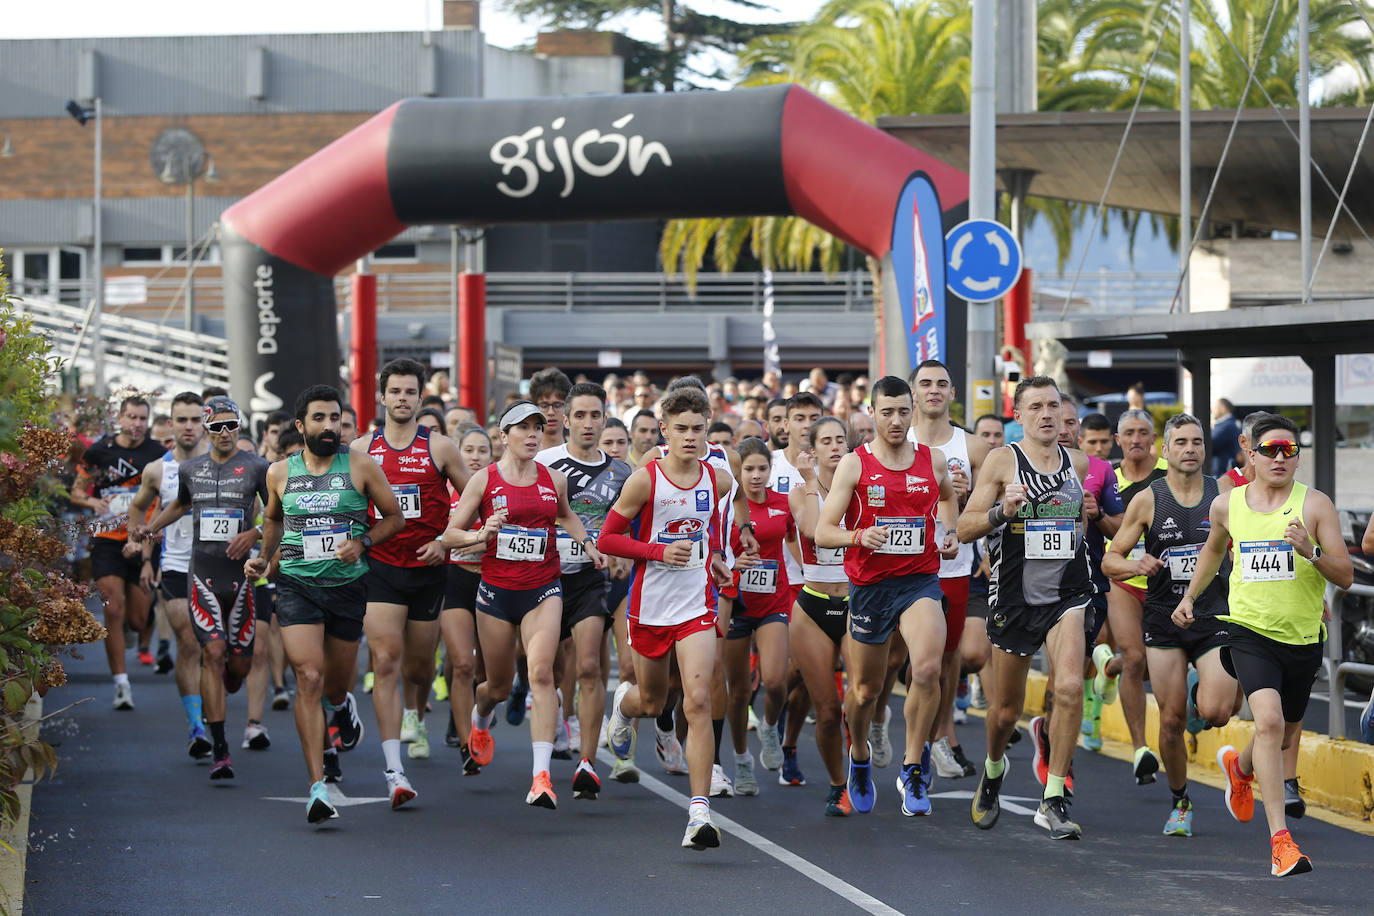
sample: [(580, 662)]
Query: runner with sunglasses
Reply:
[(1285, 545)]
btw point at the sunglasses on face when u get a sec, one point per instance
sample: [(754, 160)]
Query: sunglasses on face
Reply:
[(1279, 447), (223, 426)]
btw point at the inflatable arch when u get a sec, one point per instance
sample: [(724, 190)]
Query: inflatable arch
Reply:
[(769, 151)]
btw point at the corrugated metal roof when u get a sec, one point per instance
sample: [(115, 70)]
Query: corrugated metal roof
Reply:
[(209, 74)]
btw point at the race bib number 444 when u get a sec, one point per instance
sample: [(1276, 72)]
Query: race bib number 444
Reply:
[(1266, 561)]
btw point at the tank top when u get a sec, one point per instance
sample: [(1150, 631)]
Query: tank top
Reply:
[(524, 554), (222, 498), (718, 459), (116, 472), (1237, 477), (906, 502), (321, 512), (663, 595), (420, 488), (955, 450), (592, 490), (822, 564), (765, 589), (1039, 557), (1274, 591), (469, 556), (784, 478), (176, 539), (1127, 490), (1175, 537)]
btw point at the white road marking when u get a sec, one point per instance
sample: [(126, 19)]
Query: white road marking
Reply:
[(825, 879), (1007, 802), (336, 796)]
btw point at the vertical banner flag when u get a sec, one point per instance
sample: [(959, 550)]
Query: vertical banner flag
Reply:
[(772, 359), (918, 256)]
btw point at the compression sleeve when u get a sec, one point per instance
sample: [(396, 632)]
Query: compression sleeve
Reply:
[(615, 542)]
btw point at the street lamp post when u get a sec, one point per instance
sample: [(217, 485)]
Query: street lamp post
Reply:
[(178, 157), (82, 115)]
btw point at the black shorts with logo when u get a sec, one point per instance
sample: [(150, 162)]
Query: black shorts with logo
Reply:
[(830, 614), (1021, 629), (1258, 662), (107, 559), (460, 588), (419, 588), (584, 597), (339, 607), (1206, 633)]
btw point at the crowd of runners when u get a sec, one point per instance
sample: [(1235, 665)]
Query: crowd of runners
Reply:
[(706, 546)]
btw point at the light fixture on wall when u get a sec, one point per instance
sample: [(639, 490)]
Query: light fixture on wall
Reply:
[(7, 150)]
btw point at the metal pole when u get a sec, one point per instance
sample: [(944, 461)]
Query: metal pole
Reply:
[(1185, 151), (190, 254), (97, 341), (982, 202), (1304, 150), (453, 308)]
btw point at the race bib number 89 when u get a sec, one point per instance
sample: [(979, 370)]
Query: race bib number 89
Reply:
[(1049, 539)]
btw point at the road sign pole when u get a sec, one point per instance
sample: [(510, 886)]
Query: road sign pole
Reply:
[(982, 181)]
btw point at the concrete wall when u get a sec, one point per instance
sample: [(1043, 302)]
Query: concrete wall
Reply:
[(1231, 272)]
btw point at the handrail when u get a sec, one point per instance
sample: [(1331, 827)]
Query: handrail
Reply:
[(1336, 666)]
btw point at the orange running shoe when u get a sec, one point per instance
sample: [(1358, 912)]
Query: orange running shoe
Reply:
[(837, 805), (1287, 859), (541, 792), (480, 743), (1240, 797)]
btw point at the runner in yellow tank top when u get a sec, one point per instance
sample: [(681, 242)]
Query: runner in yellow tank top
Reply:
[(1286, 545)]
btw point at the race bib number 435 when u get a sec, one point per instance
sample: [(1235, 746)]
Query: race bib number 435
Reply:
[(516, 543)]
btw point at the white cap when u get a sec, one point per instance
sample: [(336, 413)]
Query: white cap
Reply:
[(518, 412)]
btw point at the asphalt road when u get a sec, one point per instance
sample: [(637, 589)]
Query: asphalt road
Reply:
[(129, 824)]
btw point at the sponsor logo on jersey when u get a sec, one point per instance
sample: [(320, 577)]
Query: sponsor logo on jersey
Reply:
[(784, 484), (1169, 522), (498, 503), (877, 495), (238, 471), (548, 493), (703, 500), (312, 502), (683, 526), (337, 483), (665, 502), (774, 513)]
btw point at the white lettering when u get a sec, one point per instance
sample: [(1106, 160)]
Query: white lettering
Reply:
[(512, 153), (263, 402), (267, 312)]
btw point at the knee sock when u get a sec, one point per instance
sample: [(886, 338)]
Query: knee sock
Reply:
[(221, 746), (193, 709)]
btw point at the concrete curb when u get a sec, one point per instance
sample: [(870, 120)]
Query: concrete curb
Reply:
[(1337, 774), (13, 864)]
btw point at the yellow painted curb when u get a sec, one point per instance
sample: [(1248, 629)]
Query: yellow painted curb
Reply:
[(1337, 774)]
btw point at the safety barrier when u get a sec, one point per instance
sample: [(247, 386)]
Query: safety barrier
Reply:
[(1337, 668)]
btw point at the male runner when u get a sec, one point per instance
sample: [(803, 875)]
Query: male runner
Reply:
[(549, 391), (643, 435), (1285, 545), (222, 489), (1173, 514), (594, 483), (107, 480), (888, 495), (1104, 507), (348, 428), (316, 512), (988, 427), (407, 574), (1029, 504), (161, 483), (677, 502), (775, 416)]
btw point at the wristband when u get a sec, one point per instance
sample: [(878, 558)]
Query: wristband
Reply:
[(750, 526), (584, 540), (996, 517), (854, 538)]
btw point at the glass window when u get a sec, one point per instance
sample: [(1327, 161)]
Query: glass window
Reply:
[(143, 255), (397, 251)]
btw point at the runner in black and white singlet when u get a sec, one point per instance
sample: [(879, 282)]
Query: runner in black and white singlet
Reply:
[(1029, 504)]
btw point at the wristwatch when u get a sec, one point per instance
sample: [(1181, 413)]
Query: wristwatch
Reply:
[(366, 541), (1316, 553), (750, 526)]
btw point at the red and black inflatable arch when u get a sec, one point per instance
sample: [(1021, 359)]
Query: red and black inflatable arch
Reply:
[(771, 151)]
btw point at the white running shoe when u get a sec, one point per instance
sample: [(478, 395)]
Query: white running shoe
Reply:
[(745, 782), (399, 788), (123, 697), (620, 735), (560, 741), (945, 765), (625, 771), (771, 753), (877, 736), (701, 833), (255, 737), (410, 726), (720, 783), (605, 726), (574, 735), (976, 698), (960, 717), (669, 751)]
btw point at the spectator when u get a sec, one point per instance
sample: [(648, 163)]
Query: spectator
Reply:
[(1226, 452), (457, 417), (861, 429), (988, 427), (348, 427), (1135, 396)]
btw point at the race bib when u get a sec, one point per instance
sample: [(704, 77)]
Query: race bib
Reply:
[(761, 579), (829, 556), (471, 554), (1137, 552), (570, 551), (521, 544), (220, 524), (1182, 560), (120, 498), (408, 495), (905, 536), (697, 559), (318, 542), (1049, 539), (1266, 561)]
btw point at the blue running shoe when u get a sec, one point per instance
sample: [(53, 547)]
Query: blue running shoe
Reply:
[(862, 792), (961, 695), (791, 774), (1195, 722), (1367, 721), (515, 704), (927, 770), (199, 742), (319, 807), (912, 784)]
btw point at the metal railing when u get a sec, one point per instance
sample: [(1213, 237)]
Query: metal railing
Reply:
[(1337, 668), (1106, 292), (138, 345)]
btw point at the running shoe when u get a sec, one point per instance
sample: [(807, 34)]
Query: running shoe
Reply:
[(720, 783), (1040, 749), (1240, 795), (368, 679), (1146, 766), (419, 748), (862, 792), (959, 758), (911, 785), (961, 697), (1195, 722), (1180, 822), (625, 771), (585, 782), (410, 726), (1287, 860), (669, 751), (1104, 686), (745, 781), (145, 657), (280, 698), (837, 803), (1054, 817), (770, 754), (987, 805), (199, 742), (541, 792), (878, 738), (753, 720), (1092, 739), (1015, 736), (1293, 804), (440, 688), (1068, 782), (562, 749), (123, 697), (318, 806), (946, 765), (791, 774), (223, 768), (976, 698), (398, 787), (1086, 726), (451, 732), (470, 766), (480, 742), (621, 733), (515, 704), (1367, 721), (332, 770), (701, 833), (349, 725), (255, 737), (574, 734), (165, 662), (959, 716)]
